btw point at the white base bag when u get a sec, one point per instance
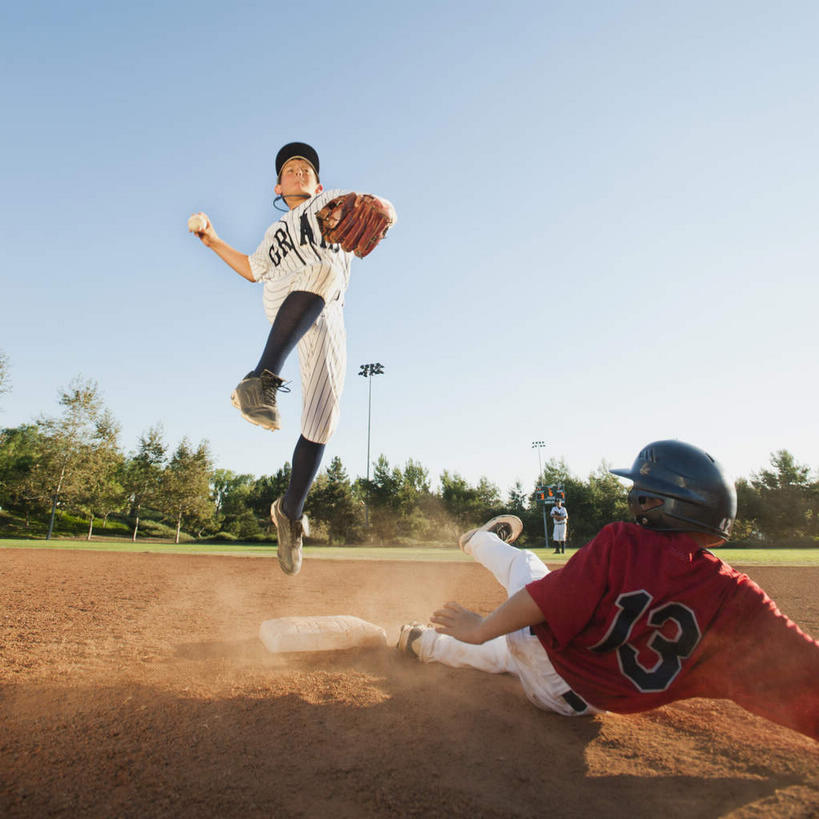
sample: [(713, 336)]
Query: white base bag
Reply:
[(330, 633)]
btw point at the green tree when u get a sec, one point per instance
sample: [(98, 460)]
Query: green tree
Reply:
[(415, 483), (264, 491), (813, 513), (787, 507), (602, 500), (555, 473), (101, 491), (19, 453), (458, 498), (516, 503), (785, 472), (142, 475), (488, 498), (332, 503), (468, 505), (186, 487), (383, 494), (67, 442), (749, 510), (418, 509), (231, 494), (400, 502), (5, 384)]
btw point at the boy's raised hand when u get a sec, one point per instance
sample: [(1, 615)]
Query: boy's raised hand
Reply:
[(199, 223)]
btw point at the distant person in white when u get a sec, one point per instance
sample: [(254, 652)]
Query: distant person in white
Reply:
[(560, 518)]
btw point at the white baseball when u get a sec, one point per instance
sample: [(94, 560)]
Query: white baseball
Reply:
[(197, 223)]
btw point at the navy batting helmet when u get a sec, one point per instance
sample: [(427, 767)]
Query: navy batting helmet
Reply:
[(696, 493)]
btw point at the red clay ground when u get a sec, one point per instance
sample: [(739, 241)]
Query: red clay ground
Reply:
[(134, 685)]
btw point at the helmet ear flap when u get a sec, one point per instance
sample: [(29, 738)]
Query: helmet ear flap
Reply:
[(637, 498)]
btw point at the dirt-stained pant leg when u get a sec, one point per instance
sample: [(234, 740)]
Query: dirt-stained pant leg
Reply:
[(492, 656), (322, 350), (521, 653), (513, 569)]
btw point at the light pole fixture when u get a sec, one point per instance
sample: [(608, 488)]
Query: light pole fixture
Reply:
[(538, 445), (368, 371)]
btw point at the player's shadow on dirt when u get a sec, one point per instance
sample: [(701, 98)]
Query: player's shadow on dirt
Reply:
[(373, 720), (375, 737)]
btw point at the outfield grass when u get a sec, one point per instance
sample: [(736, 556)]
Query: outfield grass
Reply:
[(739, 557)]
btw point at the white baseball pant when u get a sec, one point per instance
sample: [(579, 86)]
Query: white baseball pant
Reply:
[(322, 350), (519, 653)]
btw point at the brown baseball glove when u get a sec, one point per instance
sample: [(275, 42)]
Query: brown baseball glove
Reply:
[(356, 221)]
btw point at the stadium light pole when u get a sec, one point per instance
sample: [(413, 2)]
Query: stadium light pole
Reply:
[(538, 445), (368, 371)]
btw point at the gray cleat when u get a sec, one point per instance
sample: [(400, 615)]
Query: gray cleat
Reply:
[(407, 637), (289, 533), (255, 398)]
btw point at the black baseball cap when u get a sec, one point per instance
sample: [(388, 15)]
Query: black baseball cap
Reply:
[(297, 150)]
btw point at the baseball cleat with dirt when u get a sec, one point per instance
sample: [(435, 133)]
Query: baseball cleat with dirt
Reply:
[(255, 398), (506, 527), (290, 536), (409, 634)]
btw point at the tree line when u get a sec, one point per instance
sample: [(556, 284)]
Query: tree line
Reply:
[(67, 473)]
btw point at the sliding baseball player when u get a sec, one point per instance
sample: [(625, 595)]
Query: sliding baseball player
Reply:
[(643, 615)]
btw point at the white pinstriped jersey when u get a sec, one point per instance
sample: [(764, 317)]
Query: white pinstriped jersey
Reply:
[(294, 256)]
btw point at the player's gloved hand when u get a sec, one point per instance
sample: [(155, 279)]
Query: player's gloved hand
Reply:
[(356, 221), (462, 624)]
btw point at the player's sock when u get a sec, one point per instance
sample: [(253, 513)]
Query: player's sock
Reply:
[(306, 459), (297, 314)]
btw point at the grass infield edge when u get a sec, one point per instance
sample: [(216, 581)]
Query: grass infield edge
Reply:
[(747, 557)]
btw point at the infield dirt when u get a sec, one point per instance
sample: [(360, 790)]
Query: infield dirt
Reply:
[(135, 685)]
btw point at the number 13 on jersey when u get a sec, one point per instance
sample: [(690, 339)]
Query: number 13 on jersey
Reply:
[(670, 652)]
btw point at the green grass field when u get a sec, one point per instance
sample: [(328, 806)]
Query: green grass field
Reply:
[(744, 557)]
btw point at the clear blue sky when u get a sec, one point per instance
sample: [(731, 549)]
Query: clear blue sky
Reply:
[(607, 221)]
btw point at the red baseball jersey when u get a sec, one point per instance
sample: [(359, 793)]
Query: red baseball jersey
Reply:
[(637, 619)]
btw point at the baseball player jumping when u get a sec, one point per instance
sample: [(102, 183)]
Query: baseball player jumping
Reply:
[(641, 616), (304, 262)]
